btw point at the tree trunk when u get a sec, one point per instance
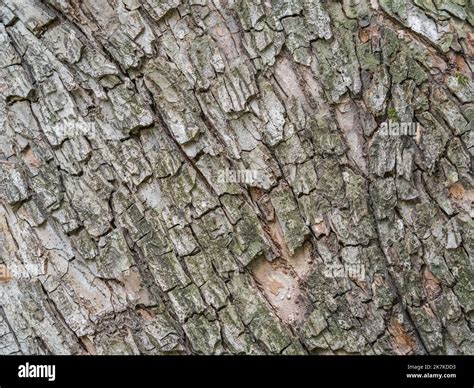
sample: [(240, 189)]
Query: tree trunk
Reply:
[(236, 176)]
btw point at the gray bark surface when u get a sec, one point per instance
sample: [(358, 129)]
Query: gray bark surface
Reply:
[(212, 177)]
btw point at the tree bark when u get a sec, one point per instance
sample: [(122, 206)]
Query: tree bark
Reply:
[(236, 177)]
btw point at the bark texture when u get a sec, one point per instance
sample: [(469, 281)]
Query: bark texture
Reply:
[(127, 216)]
